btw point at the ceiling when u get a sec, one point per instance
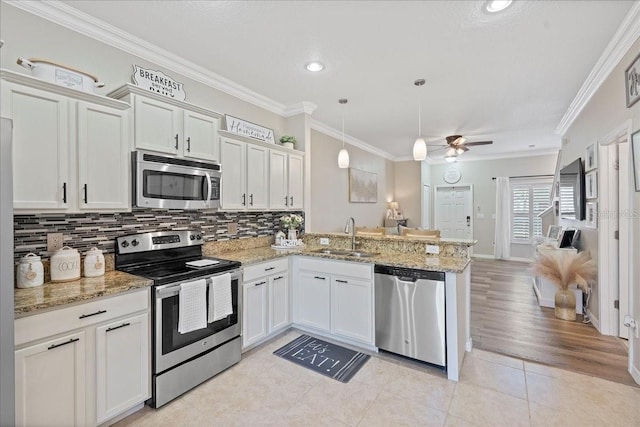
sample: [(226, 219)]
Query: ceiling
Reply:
[(508, 77)]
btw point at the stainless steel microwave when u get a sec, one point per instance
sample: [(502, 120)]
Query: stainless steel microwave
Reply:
[(174, 183)]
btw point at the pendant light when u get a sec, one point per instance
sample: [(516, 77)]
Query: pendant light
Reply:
[(343, 155), (419, 147)]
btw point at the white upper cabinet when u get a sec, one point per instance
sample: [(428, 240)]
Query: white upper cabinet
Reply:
[(245, 175), (173, 127), (70, 148), (103, 157), (286, 181), (257, 177)]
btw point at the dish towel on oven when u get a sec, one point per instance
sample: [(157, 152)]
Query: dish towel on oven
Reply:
[(192, 306), (220, 305)]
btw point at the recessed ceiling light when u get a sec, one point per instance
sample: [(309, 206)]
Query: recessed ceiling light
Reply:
[(498, 5), (314, 66), (532, 145)]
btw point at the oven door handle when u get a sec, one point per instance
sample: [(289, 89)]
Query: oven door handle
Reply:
[(209, 189), (164, 291)]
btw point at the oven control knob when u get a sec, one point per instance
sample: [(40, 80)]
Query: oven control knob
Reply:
[(124, 244), (192, 237), (199, 237), (135, 242)]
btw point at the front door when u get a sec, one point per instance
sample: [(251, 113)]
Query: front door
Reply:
[(454, 211)]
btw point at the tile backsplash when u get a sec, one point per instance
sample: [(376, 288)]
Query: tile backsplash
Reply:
[(84, 231)]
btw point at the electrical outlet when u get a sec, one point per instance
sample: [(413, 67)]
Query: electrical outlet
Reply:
[(232, 228), (324, 240), (433, 249), (54, 242)]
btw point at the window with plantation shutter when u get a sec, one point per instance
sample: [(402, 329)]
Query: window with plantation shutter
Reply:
[(527, 201)]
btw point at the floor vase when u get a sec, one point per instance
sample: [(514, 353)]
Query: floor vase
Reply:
[(565, 305)]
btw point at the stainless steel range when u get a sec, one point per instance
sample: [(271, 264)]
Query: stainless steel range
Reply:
[(181, 361)]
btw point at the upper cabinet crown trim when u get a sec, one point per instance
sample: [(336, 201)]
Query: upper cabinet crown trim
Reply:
[(26, 80), (236, 137), (128, 88)]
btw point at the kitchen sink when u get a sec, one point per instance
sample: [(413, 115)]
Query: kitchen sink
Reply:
[(358, 254)]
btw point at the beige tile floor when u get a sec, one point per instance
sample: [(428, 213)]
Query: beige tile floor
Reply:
[(494, 390)]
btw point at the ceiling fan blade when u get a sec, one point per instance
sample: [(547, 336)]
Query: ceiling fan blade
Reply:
[(470, 144)]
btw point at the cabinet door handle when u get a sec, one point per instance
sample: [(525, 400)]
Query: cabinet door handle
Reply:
[(278, 278), (85, 193), (176, 141), (269, 269), (291, 200), (260, 283), (341, 281), (244, 199), (319, 277), (51, 347), (92, 314), (251, 199), (286, 201), (118, 327), (64, 192), (188, 144)]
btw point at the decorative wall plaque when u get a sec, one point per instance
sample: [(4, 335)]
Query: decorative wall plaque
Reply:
[(158, 82), (252, 130)]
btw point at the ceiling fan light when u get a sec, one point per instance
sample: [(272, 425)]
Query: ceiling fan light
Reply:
[(450, 158), (343, 159), (498, 5), (419, 150), (459, 150), (451, 151)]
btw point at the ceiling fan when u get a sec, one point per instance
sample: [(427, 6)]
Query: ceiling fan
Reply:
[(456, 145)]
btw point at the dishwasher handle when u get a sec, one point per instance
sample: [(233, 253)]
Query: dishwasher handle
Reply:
[(409, 274)]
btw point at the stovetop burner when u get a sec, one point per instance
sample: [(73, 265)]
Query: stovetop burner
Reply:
[(162, 256)]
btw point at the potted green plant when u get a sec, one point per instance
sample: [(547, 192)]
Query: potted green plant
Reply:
[(288, 141), (563, 269)]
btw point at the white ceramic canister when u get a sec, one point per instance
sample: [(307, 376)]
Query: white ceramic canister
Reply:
[(65, 265), (93, 263), (30, 271)]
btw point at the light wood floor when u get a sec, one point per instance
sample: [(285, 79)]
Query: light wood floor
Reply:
[(506, 319)]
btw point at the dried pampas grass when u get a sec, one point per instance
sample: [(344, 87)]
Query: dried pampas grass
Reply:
[(565, 268)]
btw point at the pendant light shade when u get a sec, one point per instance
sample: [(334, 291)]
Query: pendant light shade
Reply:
[(419, 147), (343, 155), (419, 150)]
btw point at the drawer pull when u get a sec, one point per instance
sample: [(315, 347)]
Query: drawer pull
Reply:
[(319, 277), (92, 314), (269, 269), (341, 281), (118, 327), (260, 283), (51, 347), (278, 278)]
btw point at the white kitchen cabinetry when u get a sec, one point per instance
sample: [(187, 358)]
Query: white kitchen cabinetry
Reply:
[(245, 175), (50, 382), (334, 297), (84, 364), (286, 180), (173, 127), (266, 308), (122, 365), (71, 148)]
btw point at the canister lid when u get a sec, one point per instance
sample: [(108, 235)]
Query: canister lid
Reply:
[(66, 250), (93, 251), (30, 257)]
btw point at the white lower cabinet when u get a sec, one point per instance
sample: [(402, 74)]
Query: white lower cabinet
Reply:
[(50, 382), (122, 367), (85, 364), (265, 300), (334, 297)]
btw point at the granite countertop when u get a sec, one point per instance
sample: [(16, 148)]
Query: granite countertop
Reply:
[(425, 239), (409, 260), (29, 300)]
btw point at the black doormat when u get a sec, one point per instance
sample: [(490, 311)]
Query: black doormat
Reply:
[(323, 357)]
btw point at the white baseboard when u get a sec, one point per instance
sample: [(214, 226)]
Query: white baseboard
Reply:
[(594, 320), (483, 256), (519, 259), (635, 374)]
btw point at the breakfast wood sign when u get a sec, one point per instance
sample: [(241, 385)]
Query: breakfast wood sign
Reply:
[(158, 82)]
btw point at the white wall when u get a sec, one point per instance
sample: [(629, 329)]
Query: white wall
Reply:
[(606, 111), (479, 173), (330, 206), (408, 191)]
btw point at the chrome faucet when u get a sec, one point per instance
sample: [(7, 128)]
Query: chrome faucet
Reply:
[(353, 232)]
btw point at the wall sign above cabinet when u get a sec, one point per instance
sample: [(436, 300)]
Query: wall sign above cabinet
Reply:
[(158, 82), (252, 130)]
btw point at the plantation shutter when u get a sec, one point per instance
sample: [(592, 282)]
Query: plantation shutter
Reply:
[(540, 196), (520, 202), (527, 201)]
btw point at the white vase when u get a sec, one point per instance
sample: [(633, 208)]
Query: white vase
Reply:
[(293, 234), (287, 145)]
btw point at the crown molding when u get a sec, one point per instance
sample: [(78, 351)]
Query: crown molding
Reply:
[(334, 133), (626, 35), (82, 23)]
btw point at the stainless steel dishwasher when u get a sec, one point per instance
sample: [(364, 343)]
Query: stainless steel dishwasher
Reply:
[(410, 313)]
